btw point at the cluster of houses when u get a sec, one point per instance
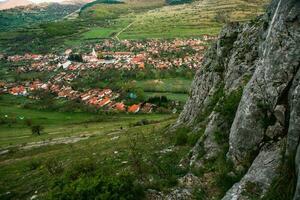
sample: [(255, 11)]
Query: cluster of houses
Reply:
[(105, 99), (111, 54)]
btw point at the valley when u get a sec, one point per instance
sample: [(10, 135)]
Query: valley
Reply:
[(159, 99)]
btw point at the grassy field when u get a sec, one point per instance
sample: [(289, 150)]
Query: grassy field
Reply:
[(56, 124), (170, 85), (187, 20), (142, 19), (27, 171)]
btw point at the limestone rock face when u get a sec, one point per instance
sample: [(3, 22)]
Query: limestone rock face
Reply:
[(233, 57), (270, 81), (262, 60), (259, 176)]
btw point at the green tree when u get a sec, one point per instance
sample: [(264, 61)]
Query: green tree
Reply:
[(37, 129)]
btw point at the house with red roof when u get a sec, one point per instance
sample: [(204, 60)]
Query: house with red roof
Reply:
[(94, 101), (120, 106), (18, 90), (134, 108), (104, 102)]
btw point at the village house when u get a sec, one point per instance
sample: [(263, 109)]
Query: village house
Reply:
[(135, 108), (104, 102), (120, 107), (18, 90), (209, 37), (147, 108)]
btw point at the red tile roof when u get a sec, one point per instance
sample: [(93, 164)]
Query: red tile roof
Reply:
[(104, 102), (134, 108), (120, 106)]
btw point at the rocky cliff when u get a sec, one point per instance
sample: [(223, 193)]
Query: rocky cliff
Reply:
[(246, 101)]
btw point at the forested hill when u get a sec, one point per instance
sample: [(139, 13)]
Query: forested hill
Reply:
[(21, 17)]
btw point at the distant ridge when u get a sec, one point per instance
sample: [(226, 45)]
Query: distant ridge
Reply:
[(14, 3), (18, 3)]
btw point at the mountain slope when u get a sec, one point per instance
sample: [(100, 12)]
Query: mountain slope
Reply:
[(8, 4), (13, 3), (245, 100), (32, 15)]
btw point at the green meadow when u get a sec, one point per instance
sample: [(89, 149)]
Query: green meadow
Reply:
[(71, 140)]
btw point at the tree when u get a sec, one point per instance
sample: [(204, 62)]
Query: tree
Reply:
[(76, 58), (37, 129), (222, 17)]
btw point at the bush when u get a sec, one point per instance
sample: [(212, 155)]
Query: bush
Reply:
[(200, 194), (222, 17), (34, 164), (283, 187), (75, 57), (228, 105), (176, 2), (37, 129), (97, 187), (87, 167), (194, 137), (181, 137), (165, 170), (224, 180), (54, 167)]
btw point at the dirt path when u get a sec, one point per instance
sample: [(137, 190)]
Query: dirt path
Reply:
[(124, 29)]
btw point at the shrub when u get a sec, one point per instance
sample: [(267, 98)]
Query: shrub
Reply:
[(224, 180), (76, 57), (86, 167), (228, 105), (200, 194), (222, 17), (268, 118), (252, 190), (142, 122), (37, 129), (181, 136), (175, 2), (283, 186), (220, 138), (194, 137), (54, 167), (165, 170), (28, 122), (97, 187), (219, 94), (34, 164)]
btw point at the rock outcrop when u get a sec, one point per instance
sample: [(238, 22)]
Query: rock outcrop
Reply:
[(247, 92)]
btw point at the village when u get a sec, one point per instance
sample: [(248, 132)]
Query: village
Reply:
[(123, 55)]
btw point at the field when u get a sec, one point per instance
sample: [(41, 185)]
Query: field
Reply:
[(69, 139), (170, 85), (187, 20), (56, 124)]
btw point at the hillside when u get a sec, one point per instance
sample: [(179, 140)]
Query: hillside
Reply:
[(9, 4), (32, 15), (154, 100), (13, 3), (134, 19)]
